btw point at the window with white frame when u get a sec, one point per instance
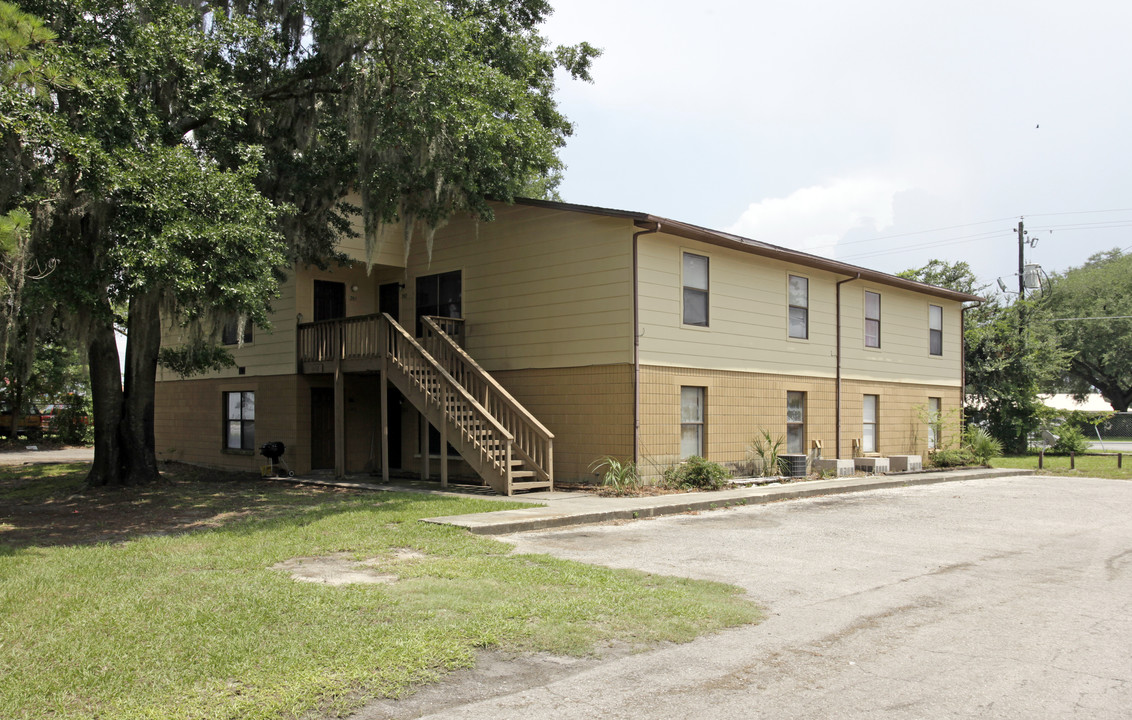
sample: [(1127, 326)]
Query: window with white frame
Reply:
[(695, 290), (869, 424), (691, 422), (239, 420), (799, 299), (795, 422), (935, 329), (935, 419), (872, 319)]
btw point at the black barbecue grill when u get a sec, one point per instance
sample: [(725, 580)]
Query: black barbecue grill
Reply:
[(273, 451)]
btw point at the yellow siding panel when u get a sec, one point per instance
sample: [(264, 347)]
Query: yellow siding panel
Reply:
[(541, 288), (748, 320)]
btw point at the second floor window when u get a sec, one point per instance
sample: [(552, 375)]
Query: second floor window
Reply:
[(230, 333), (935, 330), (872, 319), (799, 307), (695, 290)]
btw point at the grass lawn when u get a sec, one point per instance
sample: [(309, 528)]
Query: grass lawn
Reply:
[(182, 616), (1102, 466)]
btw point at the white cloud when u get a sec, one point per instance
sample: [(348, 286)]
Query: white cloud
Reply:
[(816, 218)]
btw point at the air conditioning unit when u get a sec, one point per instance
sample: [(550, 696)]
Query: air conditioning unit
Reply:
[(793, 465)]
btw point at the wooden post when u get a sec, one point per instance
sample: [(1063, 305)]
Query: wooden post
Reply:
[(1072, 461), (1119, 460), (424, 447), (384, 424), (1041, 458), (339, 420), (444, 437)]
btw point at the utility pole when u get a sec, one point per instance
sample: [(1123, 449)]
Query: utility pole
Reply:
[(1021, 259)]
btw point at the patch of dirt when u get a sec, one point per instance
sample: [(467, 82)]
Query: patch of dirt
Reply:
[(336, 569), (186, 498), (495, 674)]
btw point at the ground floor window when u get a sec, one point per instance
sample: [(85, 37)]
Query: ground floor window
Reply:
[(795, 422), (691, 422), (239, 420), (869, 430), (935, 417)]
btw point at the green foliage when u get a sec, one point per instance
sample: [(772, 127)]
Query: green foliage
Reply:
[(951, 457), (195, 357), (621, 476), (1070, 439), (1100, 350), (766, 452), (981, 445), (956, 276), (73, 423), (698, 473)]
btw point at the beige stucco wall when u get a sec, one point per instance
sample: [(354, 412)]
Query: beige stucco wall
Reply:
[(739, 405), (748, 320)]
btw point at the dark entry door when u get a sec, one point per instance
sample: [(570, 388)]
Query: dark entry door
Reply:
[(394, 399), (329, 300), (322, 428), (389, 300)]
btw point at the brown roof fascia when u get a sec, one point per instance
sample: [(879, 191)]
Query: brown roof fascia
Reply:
[(754, 247)]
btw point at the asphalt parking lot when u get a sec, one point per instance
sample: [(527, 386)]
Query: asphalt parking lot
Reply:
[(998, 598)]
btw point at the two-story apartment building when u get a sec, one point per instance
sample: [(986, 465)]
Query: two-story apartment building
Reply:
[(585, 332)]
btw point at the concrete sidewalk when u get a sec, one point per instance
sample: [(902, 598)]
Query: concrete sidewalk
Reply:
[(559, 509)]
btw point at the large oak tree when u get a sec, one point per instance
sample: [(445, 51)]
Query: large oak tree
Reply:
[(1091, 307), (203, 146)]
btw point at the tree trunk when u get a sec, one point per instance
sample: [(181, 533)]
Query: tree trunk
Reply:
[(106, 395), (139, 458)]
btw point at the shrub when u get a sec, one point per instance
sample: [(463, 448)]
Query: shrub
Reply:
[(1070, 439), (981, 446), (696, 472), (71, 424), (950, 457), (620, 476), (766, 450)]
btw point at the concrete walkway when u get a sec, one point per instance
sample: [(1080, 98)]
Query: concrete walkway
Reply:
[(560, 509)]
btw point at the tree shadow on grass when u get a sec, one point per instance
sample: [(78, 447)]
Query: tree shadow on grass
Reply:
[(50, 505)]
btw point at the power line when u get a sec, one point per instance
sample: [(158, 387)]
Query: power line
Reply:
[(909, 234), (1109, 317)]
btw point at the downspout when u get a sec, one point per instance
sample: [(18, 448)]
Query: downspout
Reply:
[(637, 347), (837, 401)]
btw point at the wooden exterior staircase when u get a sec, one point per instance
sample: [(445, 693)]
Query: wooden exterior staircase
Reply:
[(501, 441)]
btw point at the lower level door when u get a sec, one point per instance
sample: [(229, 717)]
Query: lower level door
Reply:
[(322, 428)]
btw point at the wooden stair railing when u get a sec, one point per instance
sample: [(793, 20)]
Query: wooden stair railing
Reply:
[(534, 444), (479, 437)]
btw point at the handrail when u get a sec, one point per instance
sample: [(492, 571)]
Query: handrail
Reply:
[(453, 327), (532, 438), (456, 402)]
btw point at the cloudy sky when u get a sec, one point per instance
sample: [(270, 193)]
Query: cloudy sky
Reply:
[(884, 134)]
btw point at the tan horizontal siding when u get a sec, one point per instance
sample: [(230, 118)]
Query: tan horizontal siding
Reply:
[(541, 288), (748, 320)]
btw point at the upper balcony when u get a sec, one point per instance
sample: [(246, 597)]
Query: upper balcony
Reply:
[(353, 342)]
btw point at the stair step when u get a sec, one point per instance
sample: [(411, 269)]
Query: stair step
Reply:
[(522, 473), (530, 485)]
